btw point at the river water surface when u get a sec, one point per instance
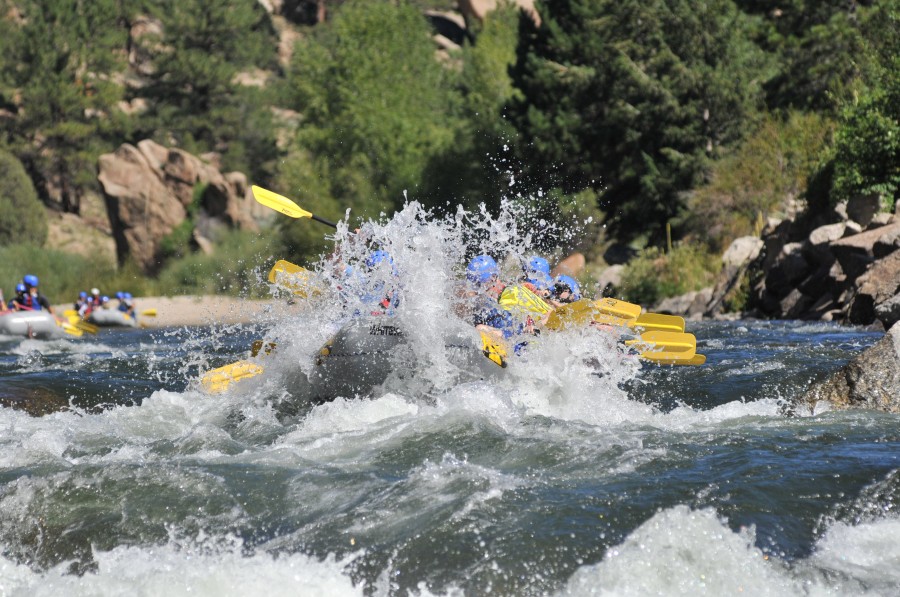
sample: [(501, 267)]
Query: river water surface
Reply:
[(577, 472)]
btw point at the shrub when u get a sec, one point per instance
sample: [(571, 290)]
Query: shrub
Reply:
[(654, 275), (22, 217)]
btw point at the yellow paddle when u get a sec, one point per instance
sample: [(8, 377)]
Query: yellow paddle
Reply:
[(658, 322), (665, 346), (295, 278), (76, 320), (217, 380), (149, 312), (284, 205)]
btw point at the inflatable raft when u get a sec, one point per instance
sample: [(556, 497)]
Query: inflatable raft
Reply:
[(366, 353), (111, 318), (31, 324)]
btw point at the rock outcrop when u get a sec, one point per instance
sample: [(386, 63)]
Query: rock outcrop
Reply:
[(149, 188), (870, 381)]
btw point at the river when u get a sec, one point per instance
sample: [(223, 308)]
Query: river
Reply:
[(578, 472)]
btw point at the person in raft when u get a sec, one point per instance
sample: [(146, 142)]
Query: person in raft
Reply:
[(28, 298)]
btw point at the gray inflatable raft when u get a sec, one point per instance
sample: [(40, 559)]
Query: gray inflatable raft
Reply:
[(111, 318), (31, 324), (368, 352)]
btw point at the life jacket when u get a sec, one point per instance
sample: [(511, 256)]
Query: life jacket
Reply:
[(31, 302)]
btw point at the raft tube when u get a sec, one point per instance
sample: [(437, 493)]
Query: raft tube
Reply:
[(31, 324), (111, 318), (366, 353)]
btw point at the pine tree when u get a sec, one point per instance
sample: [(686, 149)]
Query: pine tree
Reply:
[(631, 98)]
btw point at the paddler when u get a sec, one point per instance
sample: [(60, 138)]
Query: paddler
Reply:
[(34, 301)]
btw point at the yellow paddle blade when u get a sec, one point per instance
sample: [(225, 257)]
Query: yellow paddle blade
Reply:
[(493, 350), (70, 313), (664, 342), (522, 302), (218, 380), (69, 328), (674, 358), (295, 278), (149, 312), (279, 203), (658, 322), (611, 306), (84, 326)]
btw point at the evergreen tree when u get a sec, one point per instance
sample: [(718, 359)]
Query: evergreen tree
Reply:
[(60, 59), (22, 217), (631, 98), (376, 106), (194, 98)]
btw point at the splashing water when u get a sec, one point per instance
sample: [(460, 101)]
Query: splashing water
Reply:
[(577, 471)]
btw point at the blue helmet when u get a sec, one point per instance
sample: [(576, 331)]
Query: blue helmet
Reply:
[(20, 287), (481, 269), (104, 299), (82, 294), (569, 283), (537, 264), (120, 295), (378, 257), (126, 295), (30, 280)]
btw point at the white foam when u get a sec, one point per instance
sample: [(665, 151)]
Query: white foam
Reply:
[(178, 570)]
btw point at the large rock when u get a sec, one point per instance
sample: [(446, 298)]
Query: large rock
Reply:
[(737, 258), (856, 252), (149, 188), (878, 285), (871, 380), (572, 265)]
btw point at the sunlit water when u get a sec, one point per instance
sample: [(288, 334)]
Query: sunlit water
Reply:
[(576, 472)]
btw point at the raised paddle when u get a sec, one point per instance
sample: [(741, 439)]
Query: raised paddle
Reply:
[(218, 380), (76, 320), (284, 205), (295, 278)]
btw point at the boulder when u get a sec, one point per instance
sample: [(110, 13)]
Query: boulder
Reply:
[(610, 280), (888, 312), (871, 380), (148, 190), (887, 243), (856, 252), (862, 208), (878, 285), (735, 261), (572, 265)]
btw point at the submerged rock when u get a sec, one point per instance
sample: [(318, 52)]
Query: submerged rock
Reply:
[(870, 381)]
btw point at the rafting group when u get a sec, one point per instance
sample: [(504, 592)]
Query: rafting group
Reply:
[(30, 314), (505, 316)]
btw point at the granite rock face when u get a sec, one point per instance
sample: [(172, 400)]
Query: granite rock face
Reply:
[(869, 381)]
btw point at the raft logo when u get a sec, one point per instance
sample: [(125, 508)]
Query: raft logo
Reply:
[(384, 330)]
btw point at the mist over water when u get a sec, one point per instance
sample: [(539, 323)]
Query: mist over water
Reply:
[(577, 471)]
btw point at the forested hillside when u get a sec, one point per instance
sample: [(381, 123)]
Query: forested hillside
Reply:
[(693, 121)]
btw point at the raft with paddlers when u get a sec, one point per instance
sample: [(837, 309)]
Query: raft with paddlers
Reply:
[(369, 350), (111, 318)]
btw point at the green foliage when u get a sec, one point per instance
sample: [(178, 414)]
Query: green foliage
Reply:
[(377, 106), (631, 97), (193, 96), (22, 216), (238, 268), (66, 93), (654, 275), (867, 144), (772, 166)]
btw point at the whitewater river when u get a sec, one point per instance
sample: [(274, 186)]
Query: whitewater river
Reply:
[(119, 476)]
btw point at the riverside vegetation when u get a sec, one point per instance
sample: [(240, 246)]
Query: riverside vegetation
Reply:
[(633, 122)]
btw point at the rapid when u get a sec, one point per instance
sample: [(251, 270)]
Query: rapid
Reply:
[(578, 471)]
